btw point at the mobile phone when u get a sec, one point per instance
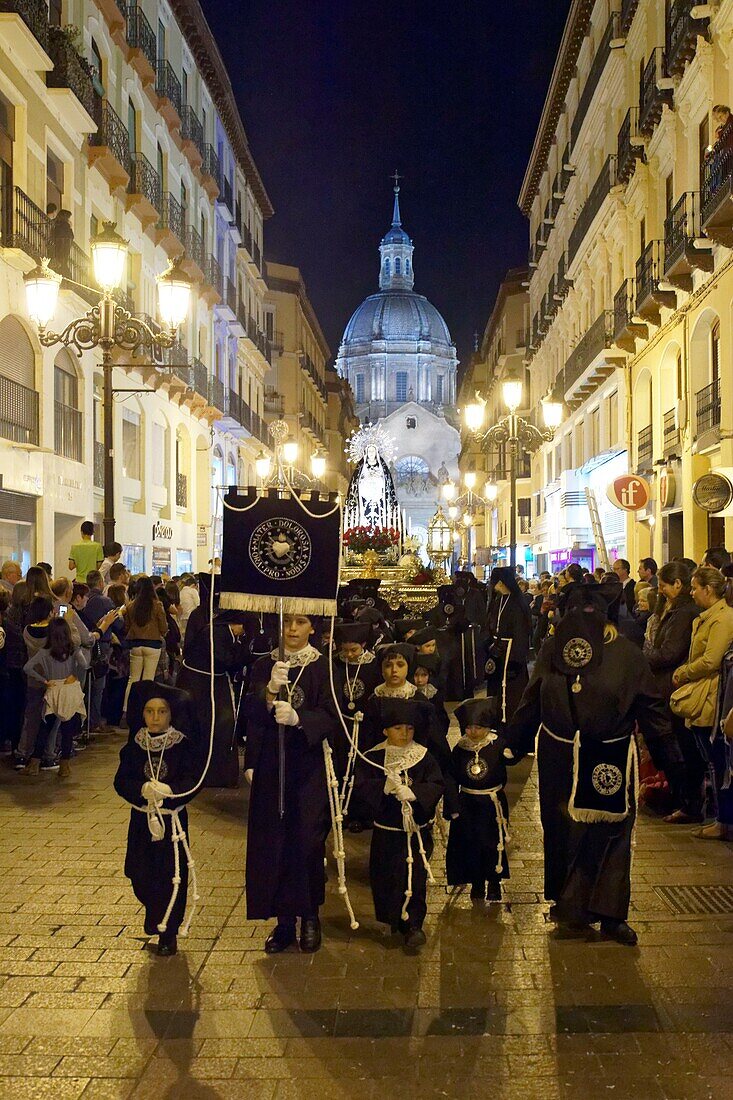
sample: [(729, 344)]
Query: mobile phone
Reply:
[(63, 608)]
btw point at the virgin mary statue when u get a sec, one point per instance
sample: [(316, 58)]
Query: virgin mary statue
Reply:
[(371, 500)]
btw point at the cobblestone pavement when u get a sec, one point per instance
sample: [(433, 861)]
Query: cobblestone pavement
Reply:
[(494, 1001)]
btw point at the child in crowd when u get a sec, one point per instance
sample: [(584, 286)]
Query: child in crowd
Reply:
[(397, 662), (425, 678), (475, 802), (59, 668), (158, 766), (400, 795)]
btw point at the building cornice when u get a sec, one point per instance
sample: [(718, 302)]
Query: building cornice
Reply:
[(295, 285), (513, 284), (210, 64), (575, 31)]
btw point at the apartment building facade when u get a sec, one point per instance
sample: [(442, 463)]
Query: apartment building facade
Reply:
[(125, 113), (627, 193)]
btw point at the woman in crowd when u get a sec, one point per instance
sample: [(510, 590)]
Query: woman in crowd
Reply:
[(146, 626), (697, 680), (666, 647), (59, 668), (510, 627), (14, 700)]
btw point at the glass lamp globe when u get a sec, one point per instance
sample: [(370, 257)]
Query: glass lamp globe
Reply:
[(449, 491), (452, 511), (174, 295), (469, 479), (109, 257), (511, 389), (467, 519), (318, 465), (552, 411), (42, 293), (491, 492), (290, 452), (263, 465), (473, 416)]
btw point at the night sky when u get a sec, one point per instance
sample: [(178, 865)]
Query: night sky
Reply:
[(337, 94)]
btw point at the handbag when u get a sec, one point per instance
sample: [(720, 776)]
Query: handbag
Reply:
[(98, 665), (689, 700)]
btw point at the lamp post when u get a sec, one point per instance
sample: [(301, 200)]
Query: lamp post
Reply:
[(514, 432), (108, 325), (277, 475)]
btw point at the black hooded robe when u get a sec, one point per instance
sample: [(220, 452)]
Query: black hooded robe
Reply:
[(363, 678), (473, 839), (150, 864), (588, 864), (285, 876), (510, 632), (388, 851)]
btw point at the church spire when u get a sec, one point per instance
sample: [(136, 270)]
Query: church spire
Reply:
[(395, 272)]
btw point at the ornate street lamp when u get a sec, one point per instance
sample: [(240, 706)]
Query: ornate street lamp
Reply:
[(108, 325), (440, 540), (282, 471), (514, 432)]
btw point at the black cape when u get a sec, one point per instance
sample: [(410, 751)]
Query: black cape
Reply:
[(471, 854), (285, 876)]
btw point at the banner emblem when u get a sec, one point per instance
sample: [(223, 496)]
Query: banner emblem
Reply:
[(280, 548), (607, 779)]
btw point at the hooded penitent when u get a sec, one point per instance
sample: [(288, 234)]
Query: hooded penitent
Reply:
[(478, 712)]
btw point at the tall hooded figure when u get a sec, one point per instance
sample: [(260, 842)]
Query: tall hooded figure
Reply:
[(159, 771), (509, 625), (589, 689)]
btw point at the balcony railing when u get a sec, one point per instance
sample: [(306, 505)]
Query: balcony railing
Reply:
[(520, 339), (181, 490), (226, 195), (172, 217), (167, 84), (18, 412), (70, 69), (644, 448), (598, 337), (707, 407), (596, 71), (98, 464), (200, 378), (652, 97), (140, 35), (257, 255), (601, 188), (111, 133), (230, 295), (626, 15), (682, 34), (717, 187), (213, 275), (24, 225), (194, 246), (145, 181), (191, 128), (682, 232), (217, 394), (67, 432), (34, 14), (630, 146), (649, 273), (211, 161), (670, 432)]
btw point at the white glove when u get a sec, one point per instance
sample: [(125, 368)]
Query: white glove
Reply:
[(249, 775), (404, 794), (278, 677), (285, 715), (391, 784), (154, 791)]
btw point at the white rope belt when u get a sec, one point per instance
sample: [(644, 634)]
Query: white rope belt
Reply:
[(571, 740), (202, 671), (178, 837), (410, 828), (401, 829), (501, 821)]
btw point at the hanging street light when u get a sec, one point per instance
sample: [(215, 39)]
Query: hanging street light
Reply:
[(108, 325)]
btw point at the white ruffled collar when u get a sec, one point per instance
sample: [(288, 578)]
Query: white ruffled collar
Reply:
[(157, 742), (304, 656), (475, 746), (366, 659), (399, 759), (429, 691), (405, 692)]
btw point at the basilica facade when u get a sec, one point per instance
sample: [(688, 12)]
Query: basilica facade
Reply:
[(400, 361)]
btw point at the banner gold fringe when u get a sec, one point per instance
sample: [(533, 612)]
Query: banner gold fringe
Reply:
[(292, 605)]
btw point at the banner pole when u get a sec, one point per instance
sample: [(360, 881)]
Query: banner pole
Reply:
[(281, 728)]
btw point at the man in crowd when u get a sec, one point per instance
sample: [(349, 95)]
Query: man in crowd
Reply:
[(86, 555), (648, 572), (622, 569), (99, 605), (112, 555), (10, 574), (116, 574), (190, 600), (717, 556)]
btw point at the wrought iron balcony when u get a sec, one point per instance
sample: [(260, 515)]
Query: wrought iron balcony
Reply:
[(194, 246), (67, 432), (200, 378), (630, 146), (562, 283), (213, 275), (626, 15), (171, 228), (211, 162), (34, 14), (70, 69), (598, 337), (110, 143), (168, 86), (682, 254), (191, 128), (649, 273), (644, 449), (655, 91), (626, 329), (24, 225), (226, 195), (181, 491), (140, 35), (670, 432), (707, 408), (18, 412), (144, 189), (230, 295), (717, 189), (600, 190), (246, 235), (217, 394), (596, 71), (682, 33), (257, 255)]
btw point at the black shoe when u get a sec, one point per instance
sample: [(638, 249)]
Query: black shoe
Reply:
[(493, 892), (310, 935), (572, 929), (415, 938), (620, 931), (167, 945), (281, 937), (478, 891)]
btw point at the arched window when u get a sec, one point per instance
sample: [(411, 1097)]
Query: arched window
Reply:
[(67, 419), (131, 126), (231, 471), (161, 167), (387, 267), (407, 267), (95, 63), (412, 474), (715, 352), (397, 266)]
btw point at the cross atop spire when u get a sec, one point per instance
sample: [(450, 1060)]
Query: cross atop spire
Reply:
[(396, 219)]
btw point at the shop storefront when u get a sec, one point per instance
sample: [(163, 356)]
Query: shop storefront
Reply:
[(18, 528)]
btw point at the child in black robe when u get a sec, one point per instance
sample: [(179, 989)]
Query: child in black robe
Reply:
[(400, 795), (426, 678), (475, 802), (158, 765), (356, 673)]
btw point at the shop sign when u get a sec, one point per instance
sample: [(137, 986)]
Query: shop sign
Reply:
[(712, 492), (24, 474), (161, 560), (629, 492), (667, 487), (162, 531)]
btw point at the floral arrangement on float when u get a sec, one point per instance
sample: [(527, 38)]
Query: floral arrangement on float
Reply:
[(427, 574), (358, 540)]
